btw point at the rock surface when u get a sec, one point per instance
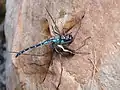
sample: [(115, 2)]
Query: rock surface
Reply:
[(98, 70)]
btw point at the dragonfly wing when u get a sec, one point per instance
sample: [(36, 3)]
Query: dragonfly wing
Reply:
[(72, 21)]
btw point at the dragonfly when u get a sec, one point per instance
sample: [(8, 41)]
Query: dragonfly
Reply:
[(59, 43)]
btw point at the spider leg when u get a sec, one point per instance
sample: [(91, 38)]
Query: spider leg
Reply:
[(47, 69), (31, 54), (78, 27), (56, 30), (84, 43), (57, 88), (60, 77)]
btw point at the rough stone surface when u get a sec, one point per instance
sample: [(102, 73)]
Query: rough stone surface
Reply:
[(101, 23)]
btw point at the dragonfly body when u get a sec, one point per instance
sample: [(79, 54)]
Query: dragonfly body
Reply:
[(59, 42), (56, 40)]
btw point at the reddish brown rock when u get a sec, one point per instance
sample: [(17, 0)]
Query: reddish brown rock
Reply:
[(101, 23)]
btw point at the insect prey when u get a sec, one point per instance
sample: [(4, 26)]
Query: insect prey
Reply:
[(58, 43)]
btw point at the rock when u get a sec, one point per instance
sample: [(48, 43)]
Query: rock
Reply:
[(98, 70)]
